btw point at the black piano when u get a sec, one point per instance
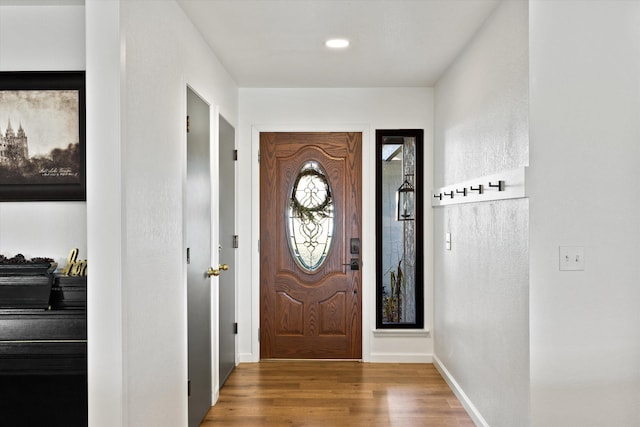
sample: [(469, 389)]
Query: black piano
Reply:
[(43, 352)]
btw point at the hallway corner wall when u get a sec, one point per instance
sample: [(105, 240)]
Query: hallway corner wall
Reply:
[(481, 332), (146, 52)]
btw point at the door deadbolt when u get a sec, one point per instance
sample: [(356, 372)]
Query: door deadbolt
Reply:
[(354, 246)]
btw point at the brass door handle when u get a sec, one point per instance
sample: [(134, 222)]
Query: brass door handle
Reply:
[(216, 271)]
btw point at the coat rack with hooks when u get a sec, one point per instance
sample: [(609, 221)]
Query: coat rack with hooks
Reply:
[(504, 185)]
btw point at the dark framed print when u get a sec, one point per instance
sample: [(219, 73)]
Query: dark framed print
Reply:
[(42, 136)]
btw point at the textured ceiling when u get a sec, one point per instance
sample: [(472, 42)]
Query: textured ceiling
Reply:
[(280, 43)]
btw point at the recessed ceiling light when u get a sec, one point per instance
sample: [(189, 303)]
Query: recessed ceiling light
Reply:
[(337, 43)]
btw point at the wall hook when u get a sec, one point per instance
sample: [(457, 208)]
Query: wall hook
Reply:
[(506, 184), (479, 188), (499, 185)]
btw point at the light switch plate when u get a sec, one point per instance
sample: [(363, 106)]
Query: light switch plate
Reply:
[(571, 258), (447, 241)]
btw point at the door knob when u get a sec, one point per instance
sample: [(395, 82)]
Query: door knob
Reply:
[(216, 271)]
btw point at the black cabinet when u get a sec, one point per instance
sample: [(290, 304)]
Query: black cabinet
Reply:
[(43, 367), (43, 342)]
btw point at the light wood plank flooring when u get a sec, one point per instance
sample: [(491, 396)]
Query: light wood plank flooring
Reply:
[(316, 393)]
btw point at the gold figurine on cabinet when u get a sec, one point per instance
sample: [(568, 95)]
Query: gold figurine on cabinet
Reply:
[(74, 266)]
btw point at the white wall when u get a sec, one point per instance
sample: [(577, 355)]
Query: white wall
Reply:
[(585, 152), (36, 38), (152, 53), (481, 284), (105, 346), (324, 110)]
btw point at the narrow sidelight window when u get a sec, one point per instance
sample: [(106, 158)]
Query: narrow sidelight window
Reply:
[(400, 286)]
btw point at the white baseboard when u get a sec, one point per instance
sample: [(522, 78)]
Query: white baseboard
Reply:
[(246, 358), (400, 358), (471, 409), (373, 358)]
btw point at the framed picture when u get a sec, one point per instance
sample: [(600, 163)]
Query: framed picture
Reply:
[(42, 136)]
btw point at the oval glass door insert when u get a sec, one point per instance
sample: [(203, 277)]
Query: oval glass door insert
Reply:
[(310, 217)]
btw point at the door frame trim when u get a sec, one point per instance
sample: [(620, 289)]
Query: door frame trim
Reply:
[(368, 227)]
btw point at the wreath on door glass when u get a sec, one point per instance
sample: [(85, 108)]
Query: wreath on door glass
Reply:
[(319, 209)]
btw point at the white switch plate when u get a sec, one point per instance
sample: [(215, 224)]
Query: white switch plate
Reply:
[(571, 258), (447, 241)]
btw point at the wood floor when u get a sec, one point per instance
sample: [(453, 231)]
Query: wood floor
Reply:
[(297, 393)]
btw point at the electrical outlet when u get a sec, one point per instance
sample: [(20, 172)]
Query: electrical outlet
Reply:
[(571, 258)]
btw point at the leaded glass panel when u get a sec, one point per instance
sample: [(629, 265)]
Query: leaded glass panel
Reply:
[(310, 217)]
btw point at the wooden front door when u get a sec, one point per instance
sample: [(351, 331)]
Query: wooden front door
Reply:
[(310, 281)]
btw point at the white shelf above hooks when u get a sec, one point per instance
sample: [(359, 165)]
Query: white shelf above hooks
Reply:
[(501, 186)]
